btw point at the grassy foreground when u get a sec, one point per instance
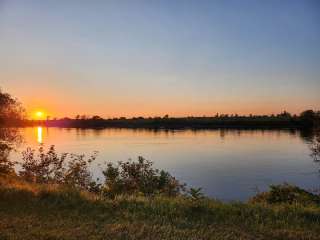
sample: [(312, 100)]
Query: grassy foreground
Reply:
[(33, 211)]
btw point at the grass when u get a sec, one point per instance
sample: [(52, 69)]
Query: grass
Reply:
[(33, 211)]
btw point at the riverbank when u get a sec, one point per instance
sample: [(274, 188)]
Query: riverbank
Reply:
[(174, 123), (35, 211), (306, 120)]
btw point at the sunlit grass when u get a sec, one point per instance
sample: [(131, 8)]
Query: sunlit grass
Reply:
[(35, 211)]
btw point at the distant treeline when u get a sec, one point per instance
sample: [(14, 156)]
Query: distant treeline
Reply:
[(13, 114), (306, 119)]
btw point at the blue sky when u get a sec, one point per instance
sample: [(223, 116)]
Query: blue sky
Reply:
[(126, 58)]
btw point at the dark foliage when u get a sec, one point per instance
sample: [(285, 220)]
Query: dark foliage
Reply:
[(9, 139), (11, 110), (49, 167), (315, 146), (307, 119), (287, 194), (6, 166), (195, 194), (139, 177)]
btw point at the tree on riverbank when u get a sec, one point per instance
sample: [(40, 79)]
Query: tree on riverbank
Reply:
[(11, 109)]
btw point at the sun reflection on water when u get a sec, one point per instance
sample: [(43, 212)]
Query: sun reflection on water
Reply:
[(39, 135)]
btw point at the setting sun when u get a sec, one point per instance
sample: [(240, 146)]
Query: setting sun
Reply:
[(39, 115)]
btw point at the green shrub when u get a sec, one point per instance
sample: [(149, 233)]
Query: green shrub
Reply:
[(196, 194), (132, 177), (6, 166), (9, 140), (49, 167), (287, 194)]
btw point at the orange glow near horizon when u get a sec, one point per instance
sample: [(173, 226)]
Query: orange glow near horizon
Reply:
[(39, 115), (129, 113), (40, 110)]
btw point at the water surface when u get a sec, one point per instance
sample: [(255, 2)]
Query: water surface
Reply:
[(227, 164)]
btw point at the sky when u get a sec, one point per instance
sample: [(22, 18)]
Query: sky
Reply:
[(156, 57)]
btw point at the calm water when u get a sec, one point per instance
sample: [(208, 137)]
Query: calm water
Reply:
[(227, 164)]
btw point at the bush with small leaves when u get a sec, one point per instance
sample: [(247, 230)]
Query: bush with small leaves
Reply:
[(77, 171), (6, 166), (315, 146), (9, 139), (48, 167), (196, 194), (134, 177), (286, 194), (43, 167)]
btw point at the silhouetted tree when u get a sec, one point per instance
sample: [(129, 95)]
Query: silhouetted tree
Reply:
[(285, 114), (308, 118), (96, 117), (10, 108)]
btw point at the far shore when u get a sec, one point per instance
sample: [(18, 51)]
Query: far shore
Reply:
[(222, 121)]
